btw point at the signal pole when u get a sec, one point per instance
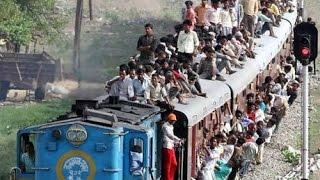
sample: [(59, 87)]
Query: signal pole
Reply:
[(305, 124), (305, 50)]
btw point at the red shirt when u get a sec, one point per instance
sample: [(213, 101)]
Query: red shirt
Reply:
[(251, 115), (176, 74), (191, 15)]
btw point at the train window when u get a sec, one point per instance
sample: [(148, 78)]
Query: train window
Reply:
[(201, 124), (244, 93), (151, 150), (27, 153), (136, 157)]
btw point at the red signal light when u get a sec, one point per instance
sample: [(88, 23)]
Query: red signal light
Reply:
[(305, 52)]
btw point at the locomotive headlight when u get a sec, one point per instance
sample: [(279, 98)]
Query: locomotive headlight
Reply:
[(76, 134)]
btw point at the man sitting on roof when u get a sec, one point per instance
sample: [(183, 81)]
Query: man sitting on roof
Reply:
[(265, 22), (140, 84), (121, 86), (226, 49), (208, 68), (157, 95)]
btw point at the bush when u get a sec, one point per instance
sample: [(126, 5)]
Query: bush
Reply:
[(291, 156)]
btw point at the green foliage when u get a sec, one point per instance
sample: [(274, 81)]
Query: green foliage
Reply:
[(15, 117), (13, 22), (112, 16), (7, 152), (291, 157), (25, 20)]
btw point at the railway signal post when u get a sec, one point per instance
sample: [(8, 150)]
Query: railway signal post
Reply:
[(305, 51)]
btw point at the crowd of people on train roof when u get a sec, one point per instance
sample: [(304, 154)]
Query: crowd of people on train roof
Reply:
[(213, 41)]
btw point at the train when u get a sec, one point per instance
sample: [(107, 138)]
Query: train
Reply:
[(97, 138)]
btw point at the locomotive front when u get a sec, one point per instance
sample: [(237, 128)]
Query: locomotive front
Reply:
[(98, 144)]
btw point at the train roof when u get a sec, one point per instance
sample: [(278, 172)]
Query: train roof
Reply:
[(268, 49), (217, 94), (125, 114), (271, 46), (124, 111)]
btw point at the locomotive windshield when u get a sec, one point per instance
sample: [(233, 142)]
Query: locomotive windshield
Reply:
[(27, 153)]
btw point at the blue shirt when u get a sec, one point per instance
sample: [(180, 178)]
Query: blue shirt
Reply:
[(139, 87), (263, 106)]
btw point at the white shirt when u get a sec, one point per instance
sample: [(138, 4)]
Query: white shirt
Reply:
[(155, 93), (168, 136), (28, 162), (122, 88), (250, 150), (259, 115), (199, 57), (166, 49), (187, 42), (227, 152), (213, 16), (270, 132)]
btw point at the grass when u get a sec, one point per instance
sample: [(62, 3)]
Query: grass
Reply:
[(314, 124), (315, 121), (13, 118)]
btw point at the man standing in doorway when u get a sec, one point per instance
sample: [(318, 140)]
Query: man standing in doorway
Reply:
[(169, 162), (146, 45)]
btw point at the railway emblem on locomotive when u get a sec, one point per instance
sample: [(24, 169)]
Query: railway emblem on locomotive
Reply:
[(76, 165), (75, 168), (76, 134)]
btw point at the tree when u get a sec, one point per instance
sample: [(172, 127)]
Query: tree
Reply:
[(23, 21), (14, 25)]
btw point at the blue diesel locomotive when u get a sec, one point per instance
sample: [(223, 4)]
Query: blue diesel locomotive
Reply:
[(94, 141)]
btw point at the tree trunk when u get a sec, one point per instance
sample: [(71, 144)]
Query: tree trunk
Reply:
[(35, 45), (77, 30), (16, 47), (27, 49), (90, 10)]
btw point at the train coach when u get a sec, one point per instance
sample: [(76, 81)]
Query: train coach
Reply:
[(100, 140)]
